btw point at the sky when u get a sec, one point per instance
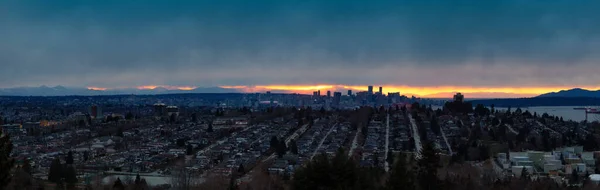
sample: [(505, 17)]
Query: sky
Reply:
[(492, 47)]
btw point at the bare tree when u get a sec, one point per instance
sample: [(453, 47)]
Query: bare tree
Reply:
[(183, 178)]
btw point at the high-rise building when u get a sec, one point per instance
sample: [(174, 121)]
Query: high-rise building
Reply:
[(337, 96), (370, 91), (380, 90), (95, 111), (315, 94), (394, 97), (318, 92), (349, 92), (328, 94), (362, 97), (160, 109), (172, 110), (458, 97)]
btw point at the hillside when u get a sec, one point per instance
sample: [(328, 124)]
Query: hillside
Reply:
[(576, 92)]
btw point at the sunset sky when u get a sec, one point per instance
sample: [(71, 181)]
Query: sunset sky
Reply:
[(487, 48)]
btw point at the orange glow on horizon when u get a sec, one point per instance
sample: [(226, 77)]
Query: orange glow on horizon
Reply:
[(428, 92), (152, 87), (419, 91), (96, 88)]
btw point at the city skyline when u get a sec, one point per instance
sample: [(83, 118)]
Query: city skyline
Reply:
[(424, 92), (501, 48)]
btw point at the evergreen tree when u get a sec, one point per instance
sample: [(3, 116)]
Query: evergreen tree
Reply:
[(273, 143), (129, 116), (189, 150), (574, 177), (118, 185), (6, 162), (120, 132), (281, 148), (70, 176), (400, 177), (428, 165), (390, 158), (194, 117), (210, 127), (27, 166), (55, 174), (139, 183), (525, 174), (339, 173), (81, 123), (294, 147), (143, 185), (173, 118), (69, 159), (138, 179), (241, 169)]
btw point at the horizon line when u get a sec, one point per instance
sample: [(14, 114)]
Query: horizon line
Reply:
[(418, 91)]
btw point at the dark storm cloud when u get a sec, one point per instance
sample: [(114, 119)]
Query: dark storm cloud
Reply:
[(227, 42)]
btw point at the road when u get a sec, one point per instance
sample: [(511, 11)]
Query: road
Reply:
[(540, 123), (416, 136), (446, 140), (223, 140), (511, 129), (294, 136), (387, 142), (322, 141), (354, 143)]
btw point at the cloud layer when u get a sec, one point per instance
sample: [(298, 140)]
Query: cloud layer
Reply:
[(110, 43)]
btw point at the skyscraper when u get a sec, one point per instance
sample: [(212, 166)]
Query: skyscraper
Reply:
[(328, 94), (337, 96), (95, 111), (318, 92), (349, 92), (380, 90), (370, 90)]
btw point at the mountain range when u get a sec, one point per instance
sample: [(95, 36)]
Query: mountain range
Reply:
[(573, 93), (64, 91)]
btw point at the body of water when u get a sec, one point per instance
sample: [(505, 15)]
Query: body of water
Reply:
[(566, 112)]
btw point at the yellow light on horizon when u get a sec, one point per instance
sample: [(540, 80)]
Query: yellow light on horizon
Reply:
[(421, 91)]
